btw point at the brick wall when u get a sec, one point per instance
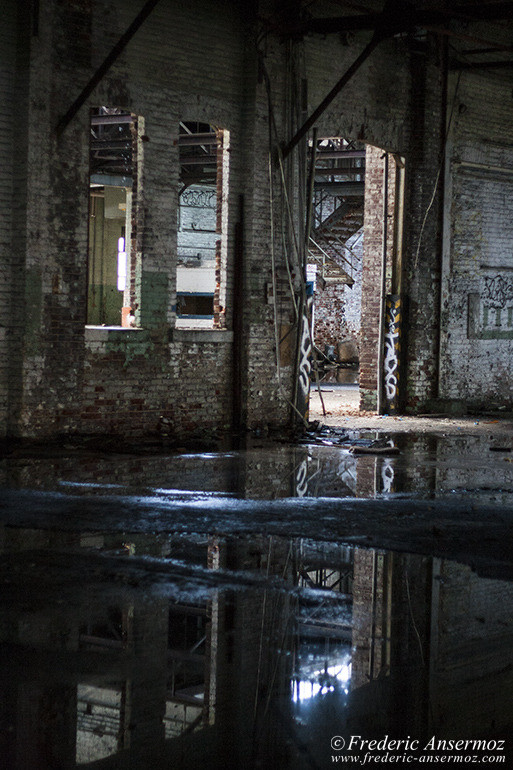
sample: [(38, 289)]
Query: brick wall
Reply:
[(477, 314), (423, 230), (394, 102), (470, 630), (338, 306), (197, 62), (7, 86)]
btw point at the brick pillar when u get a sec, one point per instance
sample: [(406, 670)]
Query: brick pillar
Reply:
[(372, 273)]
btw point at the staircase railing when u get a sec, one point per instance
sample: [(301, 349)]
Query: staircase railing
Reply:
[(328, 256)]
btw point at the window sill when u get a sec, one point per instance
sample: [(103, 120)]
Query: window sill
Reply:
[(200, 335), (103, 333)]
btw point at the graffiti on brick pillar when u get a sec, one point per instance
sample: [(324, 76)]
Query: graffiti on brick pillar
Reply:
[(302, 479), (305, 364), (387, 475), (393, 317), (490, 312)]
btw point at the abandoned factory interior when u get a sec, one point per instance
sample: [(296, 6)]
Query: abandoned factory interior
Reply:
[(256, 383)]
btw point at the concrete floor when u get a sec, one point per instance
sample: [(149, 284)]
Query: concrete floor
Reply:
[(249, 608)]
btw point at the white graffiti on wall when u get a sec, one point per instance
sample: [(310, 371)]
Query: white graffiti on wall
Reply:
[(304, 357), (391, 364), (302, 479), (387, 474)]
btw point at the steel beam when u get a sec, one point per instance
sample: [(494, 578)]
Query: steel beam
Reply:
[(339, 154), (102, 70), (409, 17), (338, 170), (349, 189), (479, 65), (337, 88), (106, 120)]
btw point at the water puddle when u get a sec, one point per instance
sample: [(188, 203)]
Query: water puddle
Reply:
[(128, 650), (272, 607), (331, 463)]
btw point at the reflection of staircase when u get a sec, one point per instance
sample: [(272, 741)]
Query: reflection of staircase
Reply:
[(328, 250)]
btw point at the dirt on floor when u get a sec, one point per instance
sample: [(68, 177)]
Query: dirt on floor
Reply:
[(341, 409)]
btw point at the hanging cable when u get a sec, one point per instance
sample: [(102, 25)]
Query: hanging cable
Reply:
[(440, 167), (295, 239)]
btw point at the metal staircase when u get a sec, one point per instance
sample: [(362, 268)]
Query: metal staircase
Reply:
[(335, 261), (339, 191)]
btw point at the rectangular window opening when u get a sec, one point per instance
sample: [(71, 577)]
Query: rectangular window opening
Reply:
[(202, 226), (115, 158)]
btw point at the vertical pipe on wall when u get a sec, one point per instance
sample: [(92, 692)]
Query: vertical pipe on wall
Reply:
[(311, 183), (444, 170), (238, 295), (398, 256), (381, 336)]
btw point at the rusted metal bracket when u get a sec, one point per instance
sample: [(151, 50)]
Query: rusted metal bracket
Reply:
[(106, 65)]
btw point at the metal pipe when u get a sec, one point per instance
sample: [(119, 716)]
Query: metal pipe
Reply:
[(238, 322), (381, 335), (311, 184)]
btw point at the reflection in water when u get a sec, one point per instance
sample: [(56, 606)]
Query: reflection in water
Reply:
[(428, 466), (130, 643), (239, 652)]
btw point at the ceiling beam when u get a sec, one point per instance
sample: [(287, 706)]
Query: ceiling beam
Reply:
[(340, 154), (106, 120), (338, 170), (476, 65), (408, 18)]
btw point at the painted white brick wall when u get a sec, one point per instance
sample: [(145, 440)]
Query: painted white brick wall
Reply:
[(477, 344)]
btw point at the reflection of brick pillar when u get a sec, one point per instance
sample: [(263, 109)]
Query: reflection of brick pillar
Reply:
[(46, 727), (366, 476), (143, 730), (370, 631), (249, 668)]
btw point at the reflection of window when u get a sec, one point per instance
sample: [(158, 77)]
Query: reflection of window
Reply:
[(114, 159), (202, 226)]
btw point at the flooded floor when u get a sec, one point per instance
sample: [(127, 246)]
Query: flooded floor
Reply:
[(346, 600)]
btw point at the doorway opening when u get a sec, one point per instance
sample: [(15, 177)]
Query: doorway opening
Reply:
[(355, 263), (335, 258)]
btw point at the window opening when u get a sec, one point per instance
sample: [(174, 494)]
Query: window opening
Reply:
[(202, 226), (113, 161)]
